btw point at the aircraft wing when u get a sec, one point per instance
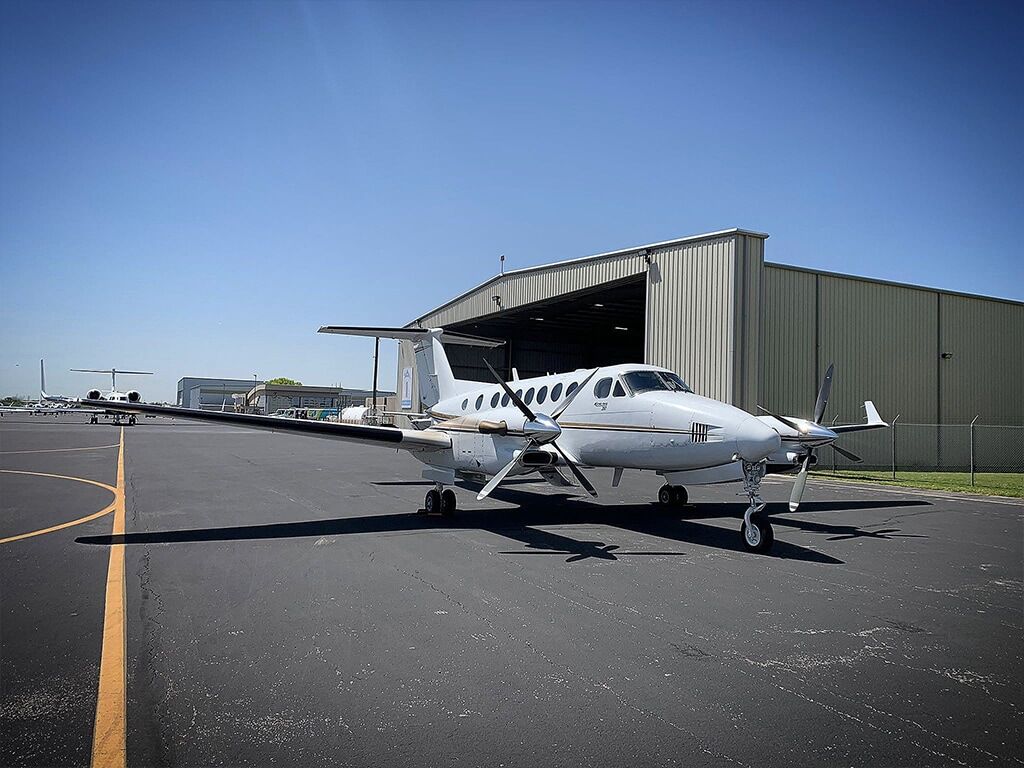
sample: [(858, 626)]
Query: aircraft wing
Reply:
[(410, 439)]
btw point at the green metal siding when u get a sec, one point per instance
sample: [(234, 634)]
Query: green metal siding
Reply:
[(790, 380), (985, 375)]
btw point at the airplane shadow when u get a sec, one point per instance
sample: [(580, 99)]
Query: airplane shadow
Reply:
[(524, 523)]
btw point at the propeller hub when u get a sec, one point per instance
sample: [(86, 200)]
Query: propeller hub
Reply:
[(542, 429)]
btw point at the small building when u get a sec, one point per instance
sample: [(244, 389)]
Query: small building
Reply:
[(207, 393), (268, 398)]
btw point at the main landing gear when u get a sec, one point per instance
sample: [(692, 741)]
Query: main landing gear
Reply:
[(756, 530), (440, 501), (673, 495)]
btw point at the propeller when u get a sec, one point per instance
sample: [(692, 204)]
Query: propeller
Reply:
[(540, 429), (814, 430)]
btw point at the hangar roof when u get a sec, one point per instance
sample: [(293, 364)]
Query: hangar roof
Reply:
[(631, 251)]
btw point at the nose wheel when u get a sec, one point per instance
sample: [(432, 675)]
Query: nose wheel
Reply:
[(756, 531)]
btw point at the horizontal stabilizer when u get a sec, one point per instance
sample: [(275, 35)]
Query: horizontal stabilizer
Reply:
[(410, 334), (874, 421)]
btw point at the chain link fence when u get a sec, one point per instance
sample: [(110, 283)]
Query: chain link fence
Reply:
[(962, 454)]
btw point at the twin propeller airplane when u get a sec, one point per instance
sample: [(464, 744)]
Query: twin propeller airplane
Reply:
[(620, 417)]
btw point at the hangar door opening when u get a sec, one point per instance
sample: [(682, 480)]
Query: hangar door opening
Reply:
[(599, 326)]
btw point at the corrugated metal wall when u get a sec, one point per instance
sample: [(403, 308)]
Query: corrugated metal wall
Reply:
[(887, 343), (703, 313), (985, 375), (790, 379)]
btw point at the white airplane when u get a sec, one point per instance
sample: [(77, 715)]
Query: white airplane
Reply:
[(621, 417), (94, 396)]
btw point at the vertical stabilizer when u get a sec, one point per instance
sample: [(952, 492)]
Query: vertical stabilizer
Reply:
[(42, 381)]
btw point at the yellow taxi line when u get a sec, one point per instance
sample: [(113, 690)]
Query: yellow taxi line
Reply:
[(108, 743), (105, 511)]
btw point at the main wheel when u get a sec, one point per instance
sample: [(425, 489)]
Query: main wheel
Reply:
[(679, 495), (758, 536), (665, 495), (94, 420), (432, 502), (131, 420), (448, 502)]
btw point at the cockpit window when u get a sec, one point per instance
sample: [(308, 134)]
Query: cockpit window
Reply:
[(654, 381)]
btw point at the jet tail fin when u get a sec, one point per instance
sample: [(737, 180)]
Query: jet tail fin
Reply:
[(42, 381)]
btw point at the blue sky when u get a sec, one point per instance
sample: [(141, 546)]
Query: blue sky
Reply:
[(193, 188)]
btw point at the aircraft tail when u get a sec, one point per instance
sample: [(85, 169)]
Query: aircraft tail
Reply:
[(42, 382), (437, 381)]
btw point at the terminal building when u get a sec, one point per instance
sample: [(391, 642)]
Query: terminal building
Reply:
[(748, 332), (268, 398), (209, 393)]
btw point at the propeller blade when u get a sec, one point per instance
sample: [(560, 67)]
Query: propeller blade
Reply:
[(788, 422), (851, 456), (512, 395), (798, 487), (568, 400), (496, 480), (826, 389), (576, 471)]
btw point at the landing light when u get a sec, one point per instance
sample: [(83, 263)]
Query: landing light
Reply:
[(621, 328), (599, 305)]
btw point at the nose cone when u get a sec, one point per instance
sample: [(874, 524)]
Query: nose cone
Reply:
[(755, 440)]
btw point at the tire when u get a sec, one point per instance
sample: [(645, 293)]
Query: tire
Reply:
[(665, 495), (131, 421), (448, 502), (432, 502), (759, 537), (679, 496)]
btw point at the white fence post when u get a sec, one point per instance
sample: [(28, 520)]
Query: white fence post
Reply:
[(972, 449)]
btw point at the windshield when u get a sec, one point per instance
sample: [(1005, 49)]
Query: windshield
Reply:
[(652, 381)]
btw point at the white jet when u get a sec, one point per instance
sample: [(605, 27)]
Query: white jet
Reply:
[(94, 396), (626, 416)]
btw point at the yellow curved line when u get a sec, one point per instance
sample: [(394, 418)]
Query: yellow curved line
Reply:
[(105, 511), (58, 450)]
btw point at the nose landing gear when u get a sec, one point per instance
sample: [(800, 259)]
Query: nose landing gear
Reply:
[(757, 532)]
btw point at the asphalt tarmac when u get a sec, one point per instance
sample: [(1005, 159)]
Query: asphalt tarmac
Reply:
[(284, 604)]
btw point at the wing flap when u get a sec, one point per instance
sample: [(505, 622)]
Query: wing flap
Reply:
[(426, 439)]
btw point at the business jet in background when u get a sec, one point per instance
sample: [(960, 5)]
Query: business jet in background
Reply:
[(94, 396)]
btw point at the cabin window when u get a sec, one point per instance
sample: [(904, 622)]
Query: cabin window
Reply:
[(465, 404), (556, 393), (618, 391), (542, 395), (602, 388), (571, 388), (504, 400), (519, 394), (494, 399), (479, 401), (529, 396)]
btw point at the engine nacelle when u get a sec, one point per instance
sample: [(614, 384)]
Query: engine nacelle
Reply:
[(93, 394), (539, 459), (133, 396)]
